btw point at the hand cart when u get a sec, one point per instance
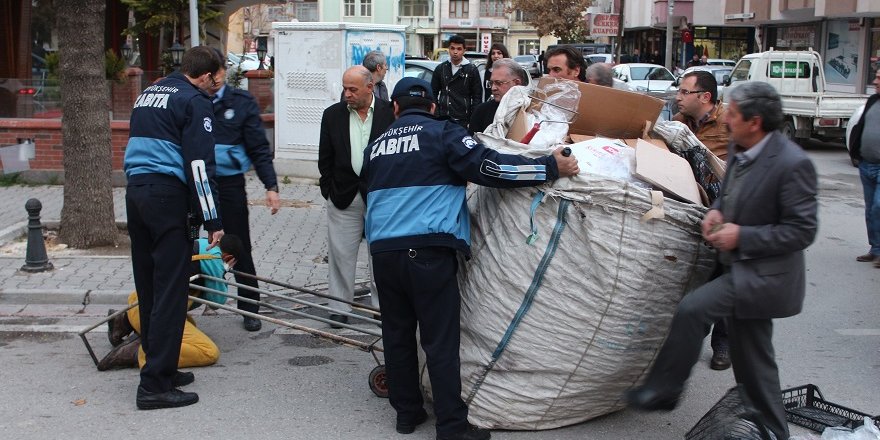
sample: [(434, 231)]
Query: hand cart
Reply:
[(377, 376)]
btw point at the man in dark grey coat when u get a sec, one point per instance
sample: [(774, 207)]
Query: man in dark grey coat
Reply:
[(761, 223)]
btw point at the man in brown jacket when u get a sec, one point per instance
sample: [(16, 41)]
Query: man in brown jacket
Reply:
[(699, 109)]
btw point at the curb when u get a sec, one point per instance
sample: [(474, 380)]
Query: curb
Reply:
[(63, 296), (12, 232)]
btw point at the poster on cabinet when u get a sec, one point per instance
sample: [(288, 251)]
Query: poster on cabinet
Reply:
[(842, 52)]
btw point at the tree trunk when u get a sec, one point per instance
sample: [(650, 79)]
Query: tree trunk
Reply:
[(87, 217)]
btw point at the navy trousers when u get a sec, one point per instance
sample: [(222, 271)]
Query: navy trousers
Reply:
[(235, 215), (418, 289), (160, 255)]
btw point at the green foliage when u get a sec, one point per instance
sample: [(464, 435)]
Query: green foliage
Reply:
[(52, 62), (114, 67), (235, 76), (10, 179)]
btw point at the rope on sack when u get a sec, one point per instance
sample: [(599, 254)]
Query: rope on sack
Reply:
[(656, 210), (529, 297)]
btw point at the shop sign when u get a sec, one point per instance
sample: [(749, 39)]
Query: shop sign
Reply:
[(796, 36), (604, 25)]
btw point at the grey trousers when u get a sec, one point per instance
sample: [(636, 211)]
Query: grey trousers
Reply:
[(751, 350), (345, 230)]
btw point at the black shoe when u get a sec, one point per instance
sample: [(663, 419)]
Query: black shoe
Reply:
[(172, 398), (649, 399), (118, 328), (469, 433), (338, 318), (720, 359), (252, 324), (404, 427), (182, 379)]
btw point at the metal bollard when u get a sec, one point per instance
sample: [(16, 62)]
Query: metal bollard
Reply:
[(35, 259)]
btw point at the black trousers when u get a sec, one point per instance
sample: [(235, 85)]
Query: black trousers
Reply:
[(234, 212), (160, 255), (751, 350), (418, 289)]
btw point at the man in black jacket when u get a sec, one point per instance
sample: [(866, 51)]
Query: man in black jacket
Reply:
[(506, 74), (864, 147), (240, 141), (457, 86), (346, 129)]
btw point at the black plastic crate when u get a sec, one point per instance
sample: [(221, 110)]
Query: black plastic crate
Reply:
[(805, 406)]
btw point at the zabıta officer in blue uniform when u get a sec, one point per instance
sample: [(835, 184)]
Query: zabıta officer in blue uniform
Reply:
[(417, 220), (169, 164), (240, 141)]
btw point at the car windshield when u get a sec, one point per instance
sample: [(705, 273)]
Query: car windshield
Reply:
[(741, 71), (720, 74), (524, 59), (650, 73)]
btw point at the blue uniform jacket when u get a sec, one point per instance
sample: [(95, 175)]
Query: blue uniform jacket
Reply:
[(240, 138), (416, 173), (171, 134)]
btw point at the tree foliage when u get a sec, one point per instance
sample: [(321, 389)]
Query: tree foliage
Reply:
[(564, 19), (155, 15)]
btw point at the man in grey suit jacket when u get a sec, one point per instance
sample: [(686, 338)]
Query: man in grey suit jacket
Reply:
[(761, 223), (347, 128)]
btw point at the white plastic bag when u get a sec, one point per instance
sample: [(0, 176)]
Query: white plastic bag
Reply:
[(868, 431)]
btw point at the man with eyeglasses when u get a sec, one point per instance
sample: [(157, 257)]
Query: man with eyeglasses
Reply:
[(169, 165), (506, 73), (699, 109)]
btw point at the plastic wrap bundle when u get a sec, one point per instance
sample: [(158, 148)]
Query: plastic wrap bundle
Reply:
[(569, 295), (708, 169)]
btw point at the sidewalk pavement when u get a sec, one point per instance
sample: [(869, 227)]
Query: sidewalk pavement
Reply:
[(289, 247)]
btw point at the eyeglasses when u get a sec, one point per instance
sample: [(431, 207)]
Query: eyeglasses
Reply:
[(213, 81), (688, 92), (495, 82)]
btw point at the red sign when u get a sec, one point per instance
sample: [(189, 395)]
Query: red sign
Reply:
[(604, 25)]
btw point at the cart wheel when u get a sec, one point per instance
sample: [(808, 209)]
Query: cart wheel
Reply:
[(377, 382)]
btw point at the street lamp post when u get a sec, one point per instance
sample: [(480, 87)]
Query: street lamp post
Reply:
[(126, 53), (262, 42), (176, 51)]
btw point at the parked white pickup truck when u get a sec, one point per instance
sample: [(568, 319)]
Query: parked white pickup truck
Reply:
[(798, 76)]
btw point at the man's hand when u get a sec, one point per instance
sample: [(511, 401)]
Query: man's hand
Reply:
[(567, 165), (273, 201), (724, 237), (711, 222), (214, 238)]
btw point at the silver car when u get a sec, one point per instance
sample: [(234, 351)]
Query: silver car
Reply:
[(530, 64)]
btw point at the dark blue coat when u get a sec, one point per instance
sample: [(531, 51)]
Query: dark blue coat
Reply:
[(416, 173), (172, 134), (240, 138)]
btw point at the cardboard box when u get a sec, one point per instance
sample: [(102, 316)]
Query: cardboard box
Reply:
[(667, 172), (602, 111)]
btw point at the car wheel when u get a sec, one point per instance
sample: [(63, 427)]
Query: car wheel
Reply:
[(789, 131)]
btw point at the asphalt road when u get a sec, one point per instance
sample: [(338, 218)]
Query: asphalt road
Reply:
[(282, 384)]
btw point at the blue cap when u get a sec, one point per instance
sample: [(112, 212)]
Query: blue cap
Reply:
[(414, 87)]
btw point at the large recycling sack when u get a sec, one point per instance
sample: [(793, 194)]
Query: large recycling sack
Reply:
[(569, 295), (555, 331)]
